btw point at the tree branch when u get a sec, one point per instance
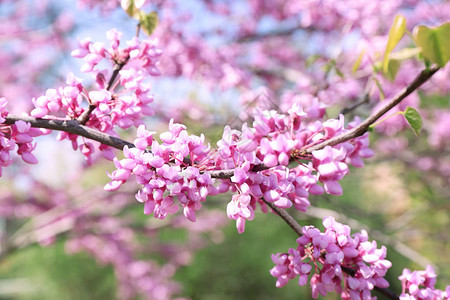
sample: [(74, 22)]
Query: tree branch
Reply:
[(286, 217), (364, 126), (84, 117), (71, 126)]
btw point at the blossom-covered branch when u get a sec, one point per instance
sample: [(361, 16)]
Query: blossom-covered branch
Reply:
[(362, 128), (359, 130)]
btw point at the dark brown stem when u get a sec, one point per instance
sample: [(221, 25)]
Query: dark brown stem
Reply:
[(286, 217), (138, 29), (387, 293), (84, 117), (351, 108), (116, 71), (71, 126)]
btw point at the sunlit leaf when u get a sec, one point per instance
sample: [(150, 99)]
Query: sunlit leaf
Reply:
[(311, 60), (129, 7), (393, 67), (414, 119), (396, 33), (434, 42), (148, 21)]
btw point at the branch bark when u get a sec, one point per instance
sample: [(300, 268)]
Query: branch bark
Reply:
[(71, 126)]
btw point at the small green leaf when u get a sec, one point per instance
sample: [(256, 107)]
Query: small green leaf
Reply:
[(129, 7), (393, 67), (396, 33), (414, 119), (434, 42), (358, 61), (311, 60), (148, 21)]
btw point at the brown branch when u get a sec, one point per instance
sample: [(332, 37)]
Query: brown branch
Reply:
[(286, 217), (115, 73), (275, 33), (71, 126), (364, 126), (351, 108), (387, 293), (84, 117)]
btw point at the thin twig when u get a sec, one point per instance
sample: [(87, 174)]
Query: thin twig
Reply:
[(364, 126), (351, 108), (84, 117), (117, 68), (286, 217)]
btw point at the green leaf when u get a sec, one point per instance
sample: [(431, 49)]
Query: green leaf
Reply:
[(312, 59), (129, 7), (414, 119), (395, 59), (434, 42), (358, 61), (393, 67), (396, 33), (148, 21)]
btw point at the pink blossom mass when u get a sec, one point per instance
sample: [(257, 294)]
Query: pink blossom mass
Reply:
[(290, 111)]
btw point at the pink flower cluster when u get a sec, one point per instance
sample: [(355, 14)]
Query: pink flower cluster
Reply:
[(21, 134), (140, 56), (420, 285), (105, 108), (64, 101), (330, 256), (178, 169), (275, 141), (167, 176), (132, 65)]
